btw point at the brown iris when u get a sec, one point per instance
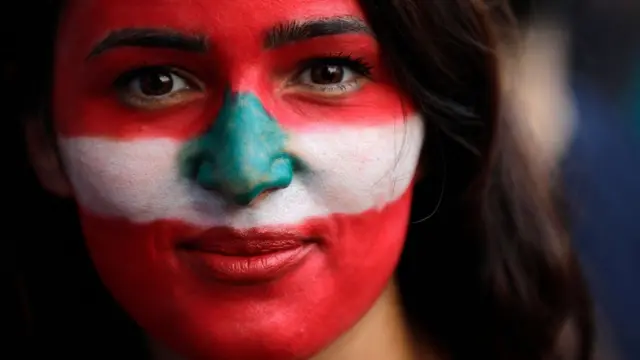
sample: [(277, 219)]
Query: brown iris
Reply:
[(155, 83), (327, 74)]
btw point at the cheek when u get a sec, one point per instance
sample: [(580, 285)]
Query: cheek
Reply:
[(373, 105), (356, 168), (129, 179), (369, 247)]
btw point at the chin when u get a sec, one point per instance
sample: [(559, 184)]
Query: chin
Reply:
[(280, 322)]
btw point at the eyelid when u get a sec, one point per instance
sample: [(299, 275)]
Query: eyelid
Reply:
[(195, 89), (125, 78), (345, 87), (356, 64)]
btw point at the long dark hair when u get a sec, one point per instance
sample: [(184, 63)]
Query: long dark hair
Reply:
[(487, 270)]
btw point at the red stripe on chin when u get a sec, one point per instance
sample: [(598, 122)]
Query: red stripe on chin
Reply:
[(334, 286)]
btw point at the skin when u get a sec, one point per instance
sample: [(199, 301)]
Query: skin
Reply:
[(249, 146)]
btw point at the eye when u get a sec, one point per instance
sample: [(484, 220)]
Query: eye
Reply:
[(325, 74), (156, 87), (157, 83), (334, 75)]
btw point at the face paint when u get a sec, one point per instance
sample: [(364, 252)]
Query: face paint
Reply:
[(254, 212), (243, 154)]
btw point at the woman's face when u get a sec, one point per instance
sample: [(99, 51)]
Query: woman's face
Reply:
[(243, 168)]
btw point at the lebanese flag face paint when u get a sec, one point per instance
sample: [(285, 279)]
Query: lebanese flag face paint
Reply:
[(246, 194)]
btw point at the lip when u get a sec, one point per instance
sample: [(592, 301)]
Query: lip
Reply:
[(245, 257)]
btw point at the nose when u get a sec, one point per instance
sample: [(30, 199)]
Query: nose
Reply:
[(243, 154)]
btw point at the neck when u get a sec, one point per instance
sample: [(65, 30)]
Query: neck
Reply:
[(382, 334)]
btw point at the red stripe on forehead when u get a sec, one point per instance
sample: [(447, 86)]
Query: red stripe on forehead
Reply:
[(86, 103), (90, 105), (241, 23)]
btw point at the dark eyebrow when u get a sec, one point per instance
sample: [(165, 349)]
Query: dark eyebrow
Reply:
[(151, 38), (286, 33)]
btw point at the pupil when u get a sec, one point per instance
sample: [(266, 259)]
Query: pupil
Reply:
[(327, 74), (156, 83)]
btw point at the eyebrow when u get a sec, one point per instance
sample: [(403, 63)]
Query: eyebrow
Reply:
[(280, 35), (294, 31), (151, 38)]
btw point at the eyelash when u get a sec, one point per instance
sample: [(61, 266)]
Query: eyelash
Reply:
[(359, 66)]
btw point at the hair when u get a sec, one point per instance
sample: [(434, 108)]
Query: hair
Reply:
[(487, 270)]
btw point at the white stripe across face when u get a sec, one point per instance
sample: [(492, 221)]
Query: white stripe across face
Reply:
[(349, 170)]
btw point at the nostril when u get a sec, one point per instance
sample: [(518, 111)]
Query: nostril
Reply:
[(264, 194), (204, 175)]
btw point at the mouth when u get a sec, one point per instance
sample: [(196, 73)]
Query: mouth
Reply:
[(247, 256)]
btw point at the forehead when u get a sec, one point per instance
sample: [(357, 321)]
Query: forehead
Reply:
[(215, 17)]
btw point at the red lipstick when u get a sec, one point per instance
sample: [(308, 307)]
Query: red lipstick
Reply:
[(245, 256)]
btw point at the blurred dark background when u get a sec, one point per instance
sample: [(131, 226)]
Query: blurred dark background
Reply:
[(600, 161)]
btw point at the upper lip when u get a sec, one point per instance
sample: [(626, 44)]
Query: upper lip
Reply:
[(251, 242)]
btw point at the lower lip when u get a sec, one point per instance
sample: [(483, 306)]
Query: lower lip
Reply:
[(247, 269)]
